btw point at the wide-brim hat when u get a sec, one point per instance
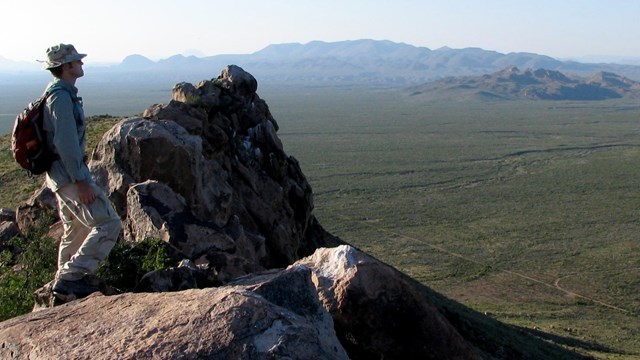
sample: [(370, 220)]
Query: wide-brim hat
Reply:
[(61, 54)]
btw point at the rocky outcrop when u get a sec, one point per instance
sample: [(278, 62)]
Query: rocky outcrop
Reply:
[(278, 314), (208, 174)]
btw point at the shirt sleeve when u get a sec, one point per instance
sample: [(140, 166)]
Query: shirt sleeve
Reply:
[(65, 135)]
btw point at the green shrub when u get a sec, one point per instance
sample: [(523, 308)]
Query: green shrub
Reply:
[(128, 262), (30, 261), (28, 264)]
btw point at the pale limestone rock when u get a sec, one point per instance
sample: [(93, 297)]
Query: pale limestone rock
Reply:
[(378, 312)]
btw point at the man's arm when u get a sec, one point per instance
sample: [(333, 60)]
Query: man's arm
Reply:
[(67, 144)]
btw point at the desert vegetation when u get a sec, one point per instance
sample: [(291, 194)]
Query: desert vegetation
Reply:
[(526, 211)]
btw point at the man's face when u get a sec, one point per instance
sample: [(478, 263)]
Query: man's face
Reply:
[(74, 68)]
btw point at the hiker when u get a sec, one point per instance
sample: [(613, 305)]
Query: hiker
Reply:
[(91, 225)]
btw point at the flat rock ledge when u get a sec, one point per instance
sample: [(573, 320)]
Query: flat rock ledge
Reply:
[(338, 303)]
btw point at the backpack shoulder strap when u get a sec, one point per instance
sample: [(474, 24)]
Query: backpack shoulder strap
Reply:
[(53, 89)]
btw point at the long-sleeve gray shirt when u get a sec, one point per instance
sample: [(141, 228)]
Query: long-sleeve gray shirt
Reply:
[(64, 123)]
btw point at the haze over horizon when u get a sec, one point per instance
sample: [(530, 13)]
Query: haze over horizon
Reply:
[(157, 29)]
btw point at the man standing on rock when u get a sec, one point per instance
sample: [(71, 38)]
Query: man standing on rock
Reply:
[(91, 225)]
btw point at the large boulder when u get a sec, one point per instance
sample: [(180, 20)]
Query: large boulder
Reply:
[(337, 304), (380, 314), (215, 323)]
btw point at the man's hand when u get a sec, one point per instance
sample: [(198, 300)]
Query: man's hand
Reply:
[(85, 192)]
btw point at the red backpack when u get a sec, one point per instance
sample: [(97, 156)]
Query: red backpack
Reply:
[(29, 141)]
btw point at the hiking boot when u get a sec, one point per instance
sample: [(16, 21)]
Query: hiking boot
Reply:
[(79, 288)]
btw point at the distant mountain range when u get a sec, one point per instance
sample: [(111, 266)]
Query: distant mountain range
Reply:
[(534, 84), (366, 62)]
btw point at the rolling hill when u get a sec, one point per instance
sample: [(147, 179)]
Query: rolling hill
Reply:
[(533, 84)]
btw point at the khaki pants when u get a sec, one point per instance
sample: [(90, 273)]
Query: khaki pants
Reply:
[(90, 231)]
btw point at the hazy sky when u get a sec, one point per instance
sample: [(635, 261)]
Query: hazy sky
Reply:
[(109, 30)]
